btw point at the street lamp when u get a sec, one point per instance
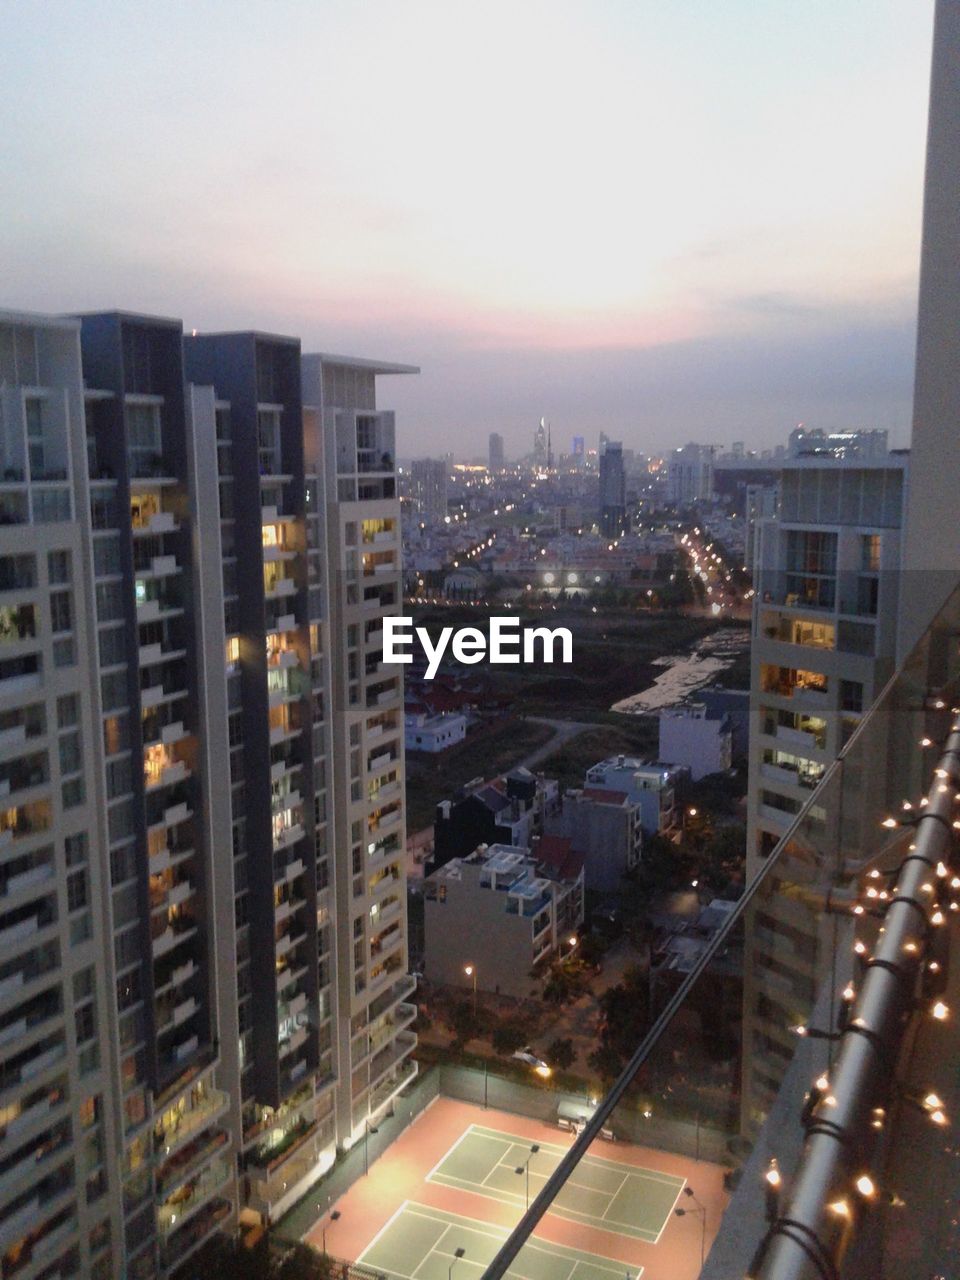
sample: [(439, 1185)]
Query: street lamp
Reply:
[(368, 1128), (525, 1169), (471, 971), (700, 1210), (333, 1218), (457, 1253)]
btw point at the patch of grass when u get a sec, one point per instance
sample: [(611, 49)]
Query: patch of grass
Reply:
[(486, 752), (638, 736)]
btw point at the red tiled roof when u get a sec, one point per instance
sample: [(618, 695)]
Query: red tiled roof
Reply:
[(558, 853), (604, 796)]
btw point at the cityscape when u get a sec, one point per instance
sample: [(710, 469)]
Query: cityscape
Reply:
[(517, 839)]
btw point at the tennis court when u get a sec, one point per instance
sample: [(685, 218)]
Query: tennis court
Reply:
[(601, 1193), (420, 1243)]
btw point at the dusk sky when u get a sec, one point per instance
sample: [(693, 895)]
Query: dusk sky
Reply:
[(666, 221)]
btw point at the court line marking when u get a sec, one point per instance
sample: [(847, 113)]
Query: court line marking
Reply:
[(626, 1179), (389, 1223), (672, 1207), (571, 1182), (629, 1172), (500, 1163), (655, 1175), (448, 1152), (537, 1243), (513, 1200)]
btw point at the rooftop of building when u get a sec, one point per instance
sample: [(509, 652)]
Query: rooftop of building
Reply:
[(360, 362)]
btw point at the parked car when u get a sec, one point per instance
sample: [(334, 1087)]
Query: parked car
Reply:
[(527, 1055)]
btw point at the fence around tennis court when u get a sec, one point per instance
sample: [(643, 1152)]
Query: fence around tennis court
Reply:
[(681, 1137)]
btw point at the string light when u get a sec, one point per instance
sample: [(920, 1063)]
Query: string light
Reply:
[(865, 1185), (940, 1011)]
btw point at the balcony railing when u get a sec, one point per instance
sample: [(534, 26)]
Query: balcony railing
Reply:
[(823, 1077)]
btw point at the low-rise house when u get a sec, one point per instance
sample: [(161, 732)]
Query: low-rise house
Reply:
[(654, 786), (605, 827), (508, 810), (696, 739), (431, 733), (501, 913)]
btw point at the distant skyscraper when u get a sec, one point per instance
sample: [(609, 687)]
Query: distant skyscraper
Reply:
[(578, 449), (496, 451), (690, 473), (836, 444), (540, 444), (613, 494), (429, 479)]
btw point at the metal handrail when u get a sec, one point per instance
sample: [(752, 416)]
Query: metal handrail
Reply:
[(807, 1236)]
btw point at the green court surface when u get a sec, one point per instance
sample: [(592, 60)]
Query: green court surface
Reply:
[(420, 1243), (600, 1193)]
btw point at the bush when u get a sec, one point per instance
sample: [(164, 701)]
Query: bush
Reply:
[(509, 1037), (561, 1055), (465, 1022)]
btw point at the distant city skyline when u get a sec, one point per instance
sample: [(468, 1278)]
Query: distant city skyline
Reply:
[(661, 222)]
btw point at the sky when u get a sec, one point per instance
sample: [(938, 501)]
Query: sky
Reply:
[(695, 220)]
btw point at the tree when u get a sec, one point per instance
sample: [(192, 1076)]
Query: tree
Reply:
[(305, 1263), (509, 1037), (663, 866), (465, 1022), (561, 1054), (605, 1061), (559, 985)]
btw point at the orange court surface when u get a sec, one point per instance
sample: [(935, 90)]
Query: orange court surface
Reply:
[(451, 1181)]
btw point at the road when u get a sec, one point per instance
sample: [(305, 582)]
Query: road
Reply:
[(563, 731)]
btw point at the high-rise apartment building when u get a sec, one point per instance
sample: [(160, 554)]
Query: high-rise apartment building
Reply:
[(613, 490), (61, 1130), (861, 444), (690, 473), (495, 456), (200, 995), (429, 488), (362, 508), (824, 641)]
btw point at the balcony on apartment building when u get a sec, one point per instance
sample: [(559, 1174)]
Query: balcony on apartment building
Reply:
[(24, 1116), (38, 1241), (148, 519), (273, 1171), (190, 1197), (398, 1080), (181, 1243), (34, 1158), (821, 1082)]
